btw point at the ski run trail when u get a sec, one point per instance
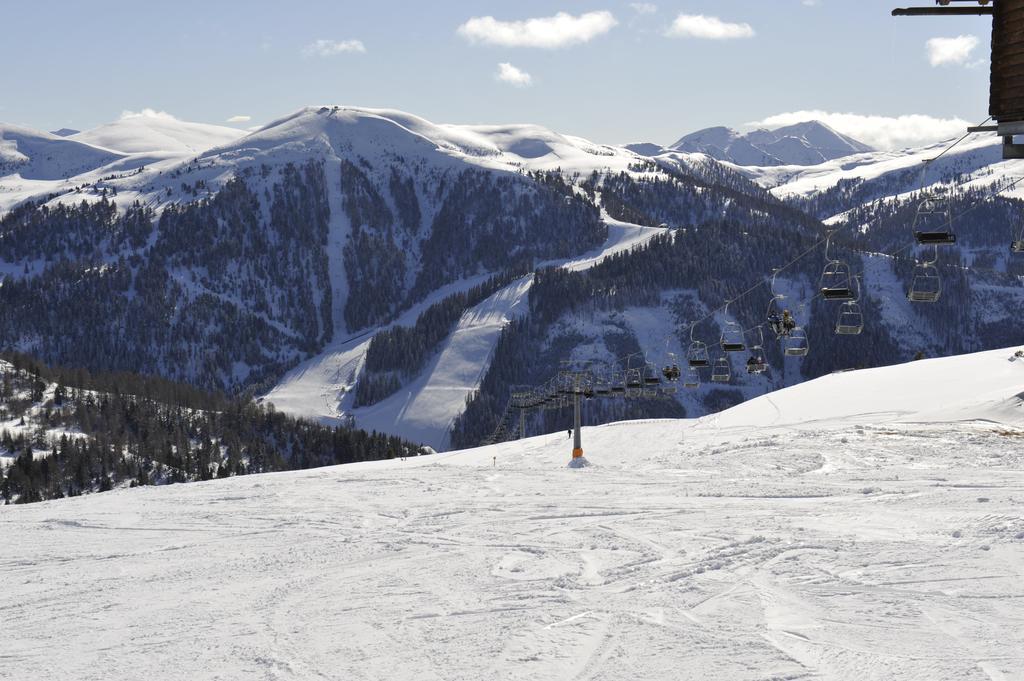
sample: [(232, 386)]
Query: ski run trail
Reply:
[(425, 408), (865, 525)]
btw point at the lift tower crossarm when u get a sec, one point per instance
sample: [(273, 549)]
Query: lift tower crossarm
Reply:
[(942, 11)]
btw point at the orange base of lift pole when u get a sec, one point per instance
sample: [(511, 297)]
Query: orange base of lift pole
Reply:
[(577, 453)]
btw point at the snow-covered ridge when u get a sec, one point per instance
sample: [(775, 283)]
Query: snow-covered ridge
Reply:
[(162, 144), (37, 155), (979, 154), (371, 132), (804, 144), (150, 132)]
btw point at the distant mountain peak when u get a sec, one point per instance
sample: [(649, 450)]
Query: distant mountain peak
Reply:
[(65, 132), (149, 132), (805, 143)]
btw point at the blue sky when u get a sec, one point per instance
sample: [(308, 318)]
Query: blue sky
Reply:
[(611, 71)]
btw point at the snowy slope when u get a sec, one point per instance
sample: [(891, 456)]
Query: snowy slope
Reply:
[(977, 386), (37, 155), (423, 411), (152, 131), (978, 159), (719, 549)]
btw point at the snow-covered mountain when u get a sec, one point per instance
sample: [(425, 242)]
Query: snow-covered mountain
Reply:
[(339, 219), (152, 131), (28, 154), (803, 144), (974, 162), (275, 261), (863, 525)]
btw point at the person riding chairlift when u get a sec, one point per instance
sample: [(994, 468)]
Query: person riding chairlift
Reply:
[(782, 326), (788, 323)]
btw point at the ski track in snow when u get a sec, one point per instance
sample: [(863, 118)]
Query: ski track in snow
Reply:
[(748, 546)]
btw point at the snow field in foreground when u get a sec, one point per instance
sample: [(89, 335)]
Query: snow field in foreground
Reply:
[(855, 546)]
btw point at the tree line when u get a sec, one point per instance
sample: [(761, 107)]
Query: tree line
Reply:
[(80, 432)]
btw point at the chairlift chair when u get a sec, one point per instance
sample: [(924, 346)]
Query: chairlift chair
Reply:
[(925, 285), (757, 363), (722, 372), (933, 223), (671, 370), (732, 345), (732, 339), (1017, 245), (691, 379), (634, 382), (651, 376), (851, 320), (697, 356), (835, 283), (795, 344)]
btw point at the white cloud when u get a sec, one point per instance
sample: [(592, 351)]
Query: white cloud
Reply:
[(711, 28), (329, 48), (239, 119), (881, 132), (561, 30), (644, 7), (950, 50), (512, 75), (811, 3), (147, 113)]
